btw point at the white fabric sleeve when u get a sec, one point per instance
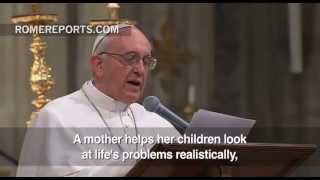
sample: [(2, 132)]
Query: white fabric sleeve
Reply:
[(48, 150)]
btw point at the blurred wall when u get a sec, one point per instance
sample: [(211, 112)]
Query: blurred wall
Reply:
[(252, 75)]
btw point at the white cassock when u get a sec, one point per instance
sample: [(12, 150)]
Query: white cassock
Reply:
[(55, 154)]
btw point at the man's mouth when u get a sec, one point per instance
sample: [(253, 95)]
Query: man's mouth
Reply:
[(135, 83)]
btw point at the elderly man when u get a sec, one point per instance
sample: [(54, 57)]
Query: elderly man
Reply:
[(120, 66)]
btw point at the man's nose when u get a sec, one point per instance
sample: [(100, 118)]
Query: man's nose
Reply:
[(139, 68)]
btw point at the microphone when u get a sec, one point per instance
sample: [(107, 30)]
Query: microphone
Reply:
[(153, 104)]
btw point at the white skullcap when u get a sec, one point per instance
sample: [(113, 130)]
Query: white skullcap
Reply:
[(101, 37)]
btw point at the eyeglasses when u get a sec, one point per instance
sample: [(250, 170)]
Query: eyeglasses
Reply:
[(132, 58)]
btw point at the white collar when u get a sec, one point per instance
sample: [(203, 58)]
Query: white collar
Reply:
[(102, 100)]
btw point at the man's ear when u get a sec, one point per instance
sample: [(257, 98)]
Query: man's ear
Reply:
[(96, 66)]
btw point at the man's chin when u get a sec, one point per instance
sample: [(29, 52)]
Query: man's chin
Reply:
[(131, 97)]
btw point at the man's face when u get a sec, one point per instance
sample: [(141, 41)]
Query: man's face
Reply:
[(119, 80)]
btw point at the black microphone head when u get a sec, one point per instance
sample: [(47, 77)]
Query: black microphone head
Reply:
[(151, 103)]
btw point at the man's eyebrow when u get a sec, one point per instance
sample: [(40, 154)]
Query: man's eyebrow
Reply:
[(128, 52), (148, 54)]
